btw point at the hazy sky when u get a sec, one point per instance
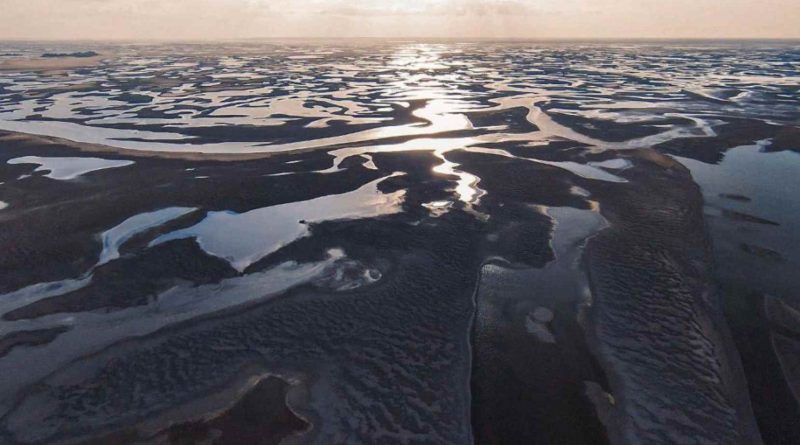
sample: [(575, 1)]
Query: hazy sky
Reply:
[(231, 19)]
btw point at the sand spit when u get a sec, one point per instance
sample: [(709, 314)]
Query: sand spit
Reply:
[(655, 321), (33, 139)]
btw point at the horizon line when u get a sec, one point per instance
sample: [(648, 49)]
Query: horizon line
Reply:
[(403, 38)]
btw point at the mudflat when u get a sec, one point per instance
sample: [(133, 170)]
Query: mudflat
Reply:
[(411, 242)]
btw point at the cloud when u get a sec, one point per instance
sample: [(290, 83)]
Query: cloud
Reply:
[(452, 8), (218, 19)]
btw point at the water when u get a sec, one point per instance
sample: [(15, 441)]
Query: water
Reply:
[(68, 168), (424, 241)]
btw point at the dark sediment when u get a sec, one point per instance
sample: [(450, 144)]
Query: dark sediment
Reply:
[(28, 338), (525, 390), (261, 417), (776, 408), (656, 322)]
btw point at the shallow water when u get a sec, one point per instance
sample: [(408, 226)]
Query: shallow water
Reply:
[(65, 169), (407, 241), (241, 239)]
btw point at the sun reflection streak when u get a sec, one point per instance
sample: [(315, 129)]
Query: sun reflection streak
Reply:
[(419, 57), (467, 185)]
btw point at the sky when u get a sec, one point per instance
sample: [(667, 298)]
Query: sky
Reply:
[(519, 19)]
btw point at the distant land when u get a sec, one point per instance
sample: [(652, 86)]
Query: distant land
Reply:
[(82, 54)]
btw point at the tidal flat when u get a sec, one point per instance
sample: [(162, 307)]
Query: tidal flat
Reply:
[(291, 242)]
